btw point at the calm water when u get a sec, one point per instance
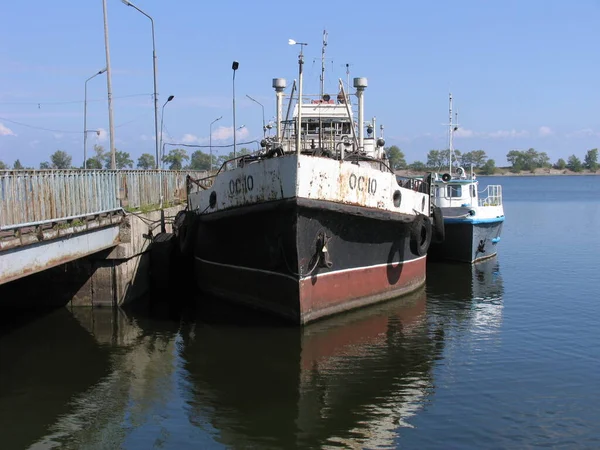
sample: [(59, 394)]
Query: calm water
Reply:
[(502, 355)]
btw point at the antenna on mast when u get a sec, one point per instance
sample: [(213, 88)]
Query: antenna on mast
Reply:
[(323, 62), (450, 149)]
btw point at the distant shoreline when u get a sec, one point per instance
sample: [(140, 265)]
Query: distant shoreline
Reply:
[(504, 172)]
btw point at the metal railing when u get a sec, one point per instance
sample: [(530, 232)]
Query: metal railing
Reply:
[(30, 197), (491, 195)]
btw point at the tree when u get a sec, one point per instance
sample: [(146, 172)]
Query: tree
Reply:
[(93, 163), (222, 158), (45, 165), (200, 161), (3, 166), (476, 157), (60, 160), (396, 158), (561, 164), (122, 160), (17, 165), (418, 166), (489, 167), (436, 159), (574, 164), (146, 161), (591, 159), (175, 158)]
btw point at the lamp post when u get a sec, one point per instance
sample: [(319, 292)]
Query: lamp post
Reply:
[(85, 130), (111, 128), (263, 113), (234, 66), (162, 116), (299, 115), (128, 3), (210, 141)]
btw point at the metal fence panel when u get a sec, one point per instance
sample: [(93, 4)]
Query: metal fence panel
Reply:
[(29, 197)]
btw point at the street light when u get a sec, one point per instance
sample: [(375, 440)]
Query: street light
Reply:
[(210, 141), (128, 3), (234, 66), (85, 132), (162, 116), (263, 113), (299, 115)]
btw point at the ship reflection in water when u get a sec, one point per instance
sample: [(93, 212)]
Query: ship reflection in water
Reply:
[(218, 378)]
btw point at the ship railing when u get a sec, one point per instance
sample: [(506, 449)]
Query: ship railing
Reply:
[(491, 196)]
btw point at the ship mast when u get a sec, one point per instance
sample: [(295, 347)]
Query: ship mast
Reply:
[(450, 138), (323, 63)]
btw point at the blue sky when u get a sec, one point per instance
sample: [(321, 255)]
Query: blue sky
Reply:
[(522, 73)]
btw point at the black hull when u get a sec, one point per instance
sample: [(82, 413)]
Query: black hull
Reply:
[(467, 241), (269, 256)]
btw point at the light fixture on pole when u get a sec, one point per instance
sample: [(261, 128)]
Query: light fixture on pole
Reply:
[(299, 115), (210, 142), (85, 131), (128, 3), (234, 66), (263, 113), (162, 115)]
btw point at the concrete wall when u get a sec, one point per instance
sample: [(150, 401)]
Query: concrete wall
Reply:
[(110, 278)]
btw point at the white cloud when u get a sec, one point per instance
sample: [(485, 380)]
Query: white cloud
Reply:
[(145, 137), (464, 133), (58, 135), (502, 134), (585, 132), (545, 131), (34, 143), (224, 133), (5, 131), (190, 139)]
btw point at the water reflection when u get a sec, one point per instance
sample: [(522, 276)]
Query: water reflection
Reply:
[(468, 293), (226, 377), (347, 380)]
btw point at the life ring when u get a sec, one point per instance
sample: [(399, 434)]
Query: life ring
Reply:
[(420, 235), (439, 232), (446, 177), (187, 234)]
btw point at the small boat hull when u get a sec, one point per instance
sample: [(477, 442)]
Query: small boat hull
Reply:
[(304, 259), (468, 240)]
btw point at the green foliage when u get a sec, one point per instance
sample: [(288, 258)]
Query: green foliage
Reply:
[(476, 157), (591, 159), (200, 160), (60, 160), (222, 158), (146, 162), (574, 164), (395, 157), (561, 164), (45, 165), (122, 160), (418, 166), (529, 160), (3, 166), (17, 165), (93, 163), (489, 167), (175, 158), (436, 159)]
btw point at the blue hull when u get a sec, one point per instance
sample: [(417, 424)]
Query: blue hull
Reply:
[(467, 241)]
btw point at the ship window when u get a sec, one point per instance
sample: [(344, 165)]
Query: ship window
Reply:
[(455, 191)]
